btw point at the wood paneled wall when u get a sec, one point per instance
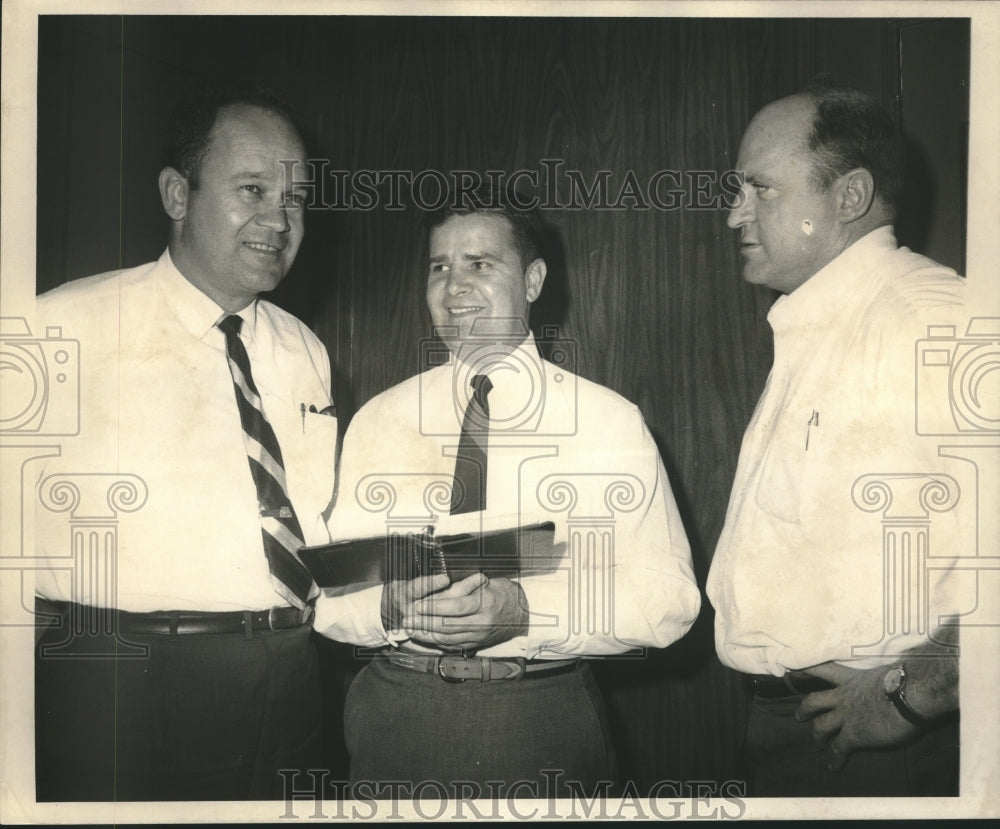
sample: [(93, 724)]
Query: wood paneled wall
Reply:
[(652, 299)]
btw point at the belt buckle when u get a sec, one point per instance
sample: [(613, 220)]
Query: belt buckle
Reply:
[(455, 680), (304, 615)]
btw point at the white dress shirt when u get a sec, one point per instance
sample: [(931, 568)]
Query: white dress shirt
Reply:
[(560, 448), (158, 409), (797, 578)]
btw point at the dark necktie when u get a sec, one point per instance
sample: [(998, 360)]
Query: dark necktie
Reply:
[(468, 493), (279, 526)]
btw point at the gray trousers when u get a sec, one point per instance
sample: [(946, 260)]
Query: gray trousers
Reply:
[(412, 735), (199, 717)]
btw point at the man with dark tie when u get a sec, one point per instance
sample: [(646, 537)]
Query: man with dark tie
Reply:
[(177, 662), (479, 686)]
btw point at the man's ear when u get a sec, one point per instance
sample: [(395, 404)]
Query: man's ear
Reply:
[(534, 278), (174, 190), (857, 191)]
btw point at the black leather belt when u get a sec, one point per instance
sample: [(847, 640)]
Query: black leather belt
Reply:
[(481, 668), (186, 622), (793, 683)]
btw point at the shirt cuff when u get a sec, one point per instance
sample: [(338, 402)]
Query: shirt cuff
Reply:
[(548, 628), (355, 618)]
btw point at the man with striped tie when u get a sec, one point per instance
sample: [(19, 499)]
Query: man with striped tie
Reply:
[(177, 664)]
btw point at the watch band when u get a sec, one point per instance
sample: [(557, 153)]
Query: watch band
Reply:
[(897, 696)]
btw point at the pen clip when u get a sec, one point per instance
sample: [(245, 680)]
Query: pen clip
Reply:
[(813, 421), (329, 411)]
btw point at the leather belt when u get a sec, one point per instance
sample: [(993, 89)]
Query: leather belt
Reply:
[(481, 668), (186, 622), (792, 684)]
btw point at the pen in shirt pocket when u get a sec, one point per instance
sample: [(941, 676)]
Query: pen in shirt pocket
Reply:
[(813, 421), (329, 411)]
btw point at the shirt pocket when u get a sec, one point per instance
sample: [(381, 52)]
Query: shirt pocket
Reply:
[(785, 471), (308, 443)]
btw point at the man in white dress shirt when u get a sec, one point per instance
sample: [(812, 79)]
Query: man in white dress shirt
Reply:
[(178, 662), (845, 702), (478, 687)]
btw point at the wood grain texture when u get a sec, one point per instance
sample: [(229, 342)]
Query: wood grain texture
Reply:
[(652, 299)]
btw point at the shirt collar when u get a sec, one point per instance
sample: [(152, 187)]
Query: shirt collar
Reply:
[(840, 283), (498, 364), (517, 377), (197, 312)]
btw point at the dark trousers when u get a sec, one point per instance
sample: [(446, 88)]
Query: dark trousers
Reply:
[(198, 717), (784, 761), (540, 737)]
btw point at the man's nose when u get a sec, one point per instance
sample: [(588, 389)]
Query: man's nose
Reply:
[(274, 217), (742, 211), (458, 282)]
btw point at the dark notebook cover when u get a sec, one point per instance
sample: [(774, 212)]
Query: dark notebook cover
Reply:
[(499, 554)]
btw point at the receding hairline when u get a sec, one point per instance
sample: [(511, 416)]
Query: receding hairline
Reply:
[(783, 113), (243, 109), (789, 109), (239, 110)]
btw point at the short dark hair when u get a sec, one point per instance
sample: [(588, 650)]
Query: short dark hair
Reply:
[(852, 129), (530, 233), (195, 115)]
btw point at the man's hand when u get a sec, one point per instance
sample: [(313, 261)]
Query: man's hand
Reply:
[(855, 715), (398, 598), (472, 614)]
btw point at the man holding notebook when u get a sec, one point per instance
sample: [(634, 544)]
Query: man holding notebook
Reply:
[(478, 687)]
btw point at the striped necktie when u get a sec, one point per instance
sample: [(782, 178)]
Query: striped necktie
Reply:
[(279, 526), (468, 493)]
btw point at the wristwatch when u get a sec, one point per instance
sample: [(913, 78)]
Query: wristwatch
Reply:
[(894, 687)]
